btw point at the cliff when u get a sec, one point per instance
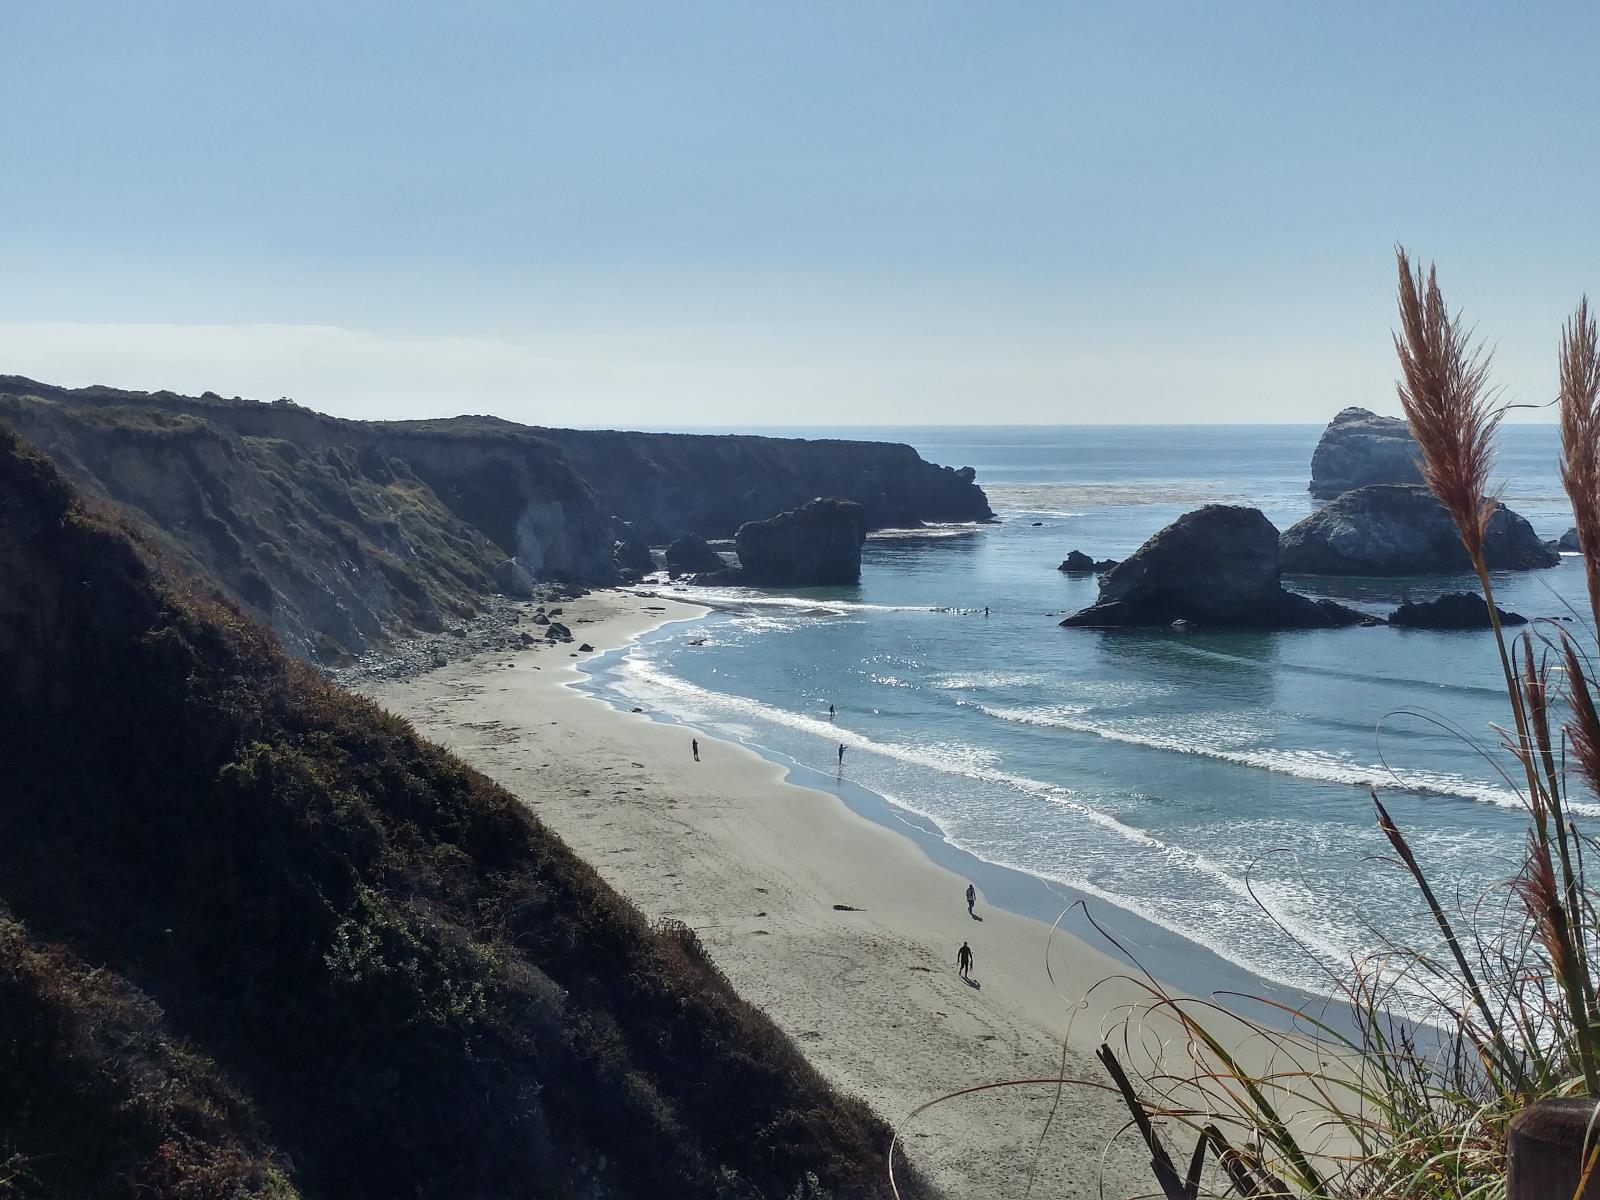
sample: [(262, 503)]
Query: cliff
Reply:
[(259, 940), (1360, 448), (340, 534), (673, 483)]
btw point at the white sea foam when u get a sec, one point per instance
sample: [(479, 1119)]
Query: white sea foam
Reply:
[(737, 599), (716, 708), (990, 679), (926, 532), (1317, 765)]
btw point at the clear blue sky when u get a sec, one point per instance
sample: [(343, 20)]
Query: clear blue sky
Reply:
[(769, 211)]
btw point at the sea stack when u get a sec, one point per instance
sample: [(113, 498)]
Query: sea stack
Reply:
[(1388, 529), (1216, 566), (1360, 448), (691, 554), (1454, 610), (816, 544), (1079, 563)]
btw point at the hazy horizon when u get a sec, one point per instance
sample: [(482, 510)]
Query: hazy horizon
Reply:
[(722, 214)]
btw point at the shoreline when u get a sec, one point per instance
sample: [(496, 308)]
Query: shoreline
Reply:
[(842, 927), (1173, 959)]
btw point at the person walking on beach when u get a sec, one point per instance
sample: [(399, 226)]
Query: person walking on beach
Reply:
[(694, 744), (841, 754), (972, 897), (964, 960)]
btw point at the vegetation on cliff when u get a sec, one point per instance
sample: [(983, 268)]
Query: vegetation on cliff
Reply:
[(258, 939)]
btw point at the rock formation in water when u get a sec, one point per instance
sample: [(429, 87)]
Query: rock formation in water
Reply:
[(1389, 529), (816, 544), (1360, 448), (342, 535), (630, 553), (1216, 566), (1569, 541), (1079, 563), (1454, 610), (690, 554)]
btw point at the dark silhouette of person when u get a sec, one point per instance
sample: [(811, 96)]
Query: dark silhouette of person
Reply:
[(841, 754), (694, 744), (972, 896), (986, 610), (964, 960), (830, 712)]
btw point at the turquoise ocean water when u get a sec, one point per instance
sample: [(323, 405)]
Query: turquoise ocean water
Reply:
[(1188, 778)]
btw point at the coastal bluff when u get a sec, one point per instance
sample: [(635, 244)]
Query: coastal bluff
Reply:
[(342, 535), (260, 940), (1359, 448), (668, 484), (1214, 567)]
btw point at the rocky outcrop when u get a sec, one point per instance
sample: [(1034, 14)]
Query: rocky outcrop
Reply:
[(513, 579), (1389, 529), (1568, 541), (817, 544), (1360, 448), (630, 552), (1079, 563), (1454, 610), (666, 483), (690, 554), (1218, 567)]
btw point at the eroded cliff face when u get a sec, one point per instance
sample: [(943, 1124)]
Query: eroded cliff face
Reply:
[(339, 534), (336, 534), (669, 484)]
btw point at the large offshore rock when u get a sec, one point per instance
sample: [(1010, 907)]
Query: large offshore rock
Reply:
[(1360, 448), (1216, 566), (1079, 563), (1454, 610), (817, 543), (691, 553), (1389, 529)]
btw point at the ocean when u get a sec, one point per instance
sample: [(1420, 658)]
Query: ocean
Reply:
[(1213, 784)]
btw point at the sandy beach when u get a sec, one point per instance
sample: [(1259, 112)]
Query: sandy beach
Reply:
[(841, 929)]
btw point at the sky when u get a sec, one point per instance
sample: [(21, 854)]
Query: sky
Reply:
[(783, 212)]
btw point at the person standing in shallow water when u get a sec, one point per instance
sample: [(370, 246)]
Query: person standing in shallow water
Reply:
[(964, 960), (841, 754), (694, 744)]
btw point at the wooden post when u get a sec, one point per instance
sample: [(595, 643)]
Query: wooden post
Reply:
[(1548, 1147)]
